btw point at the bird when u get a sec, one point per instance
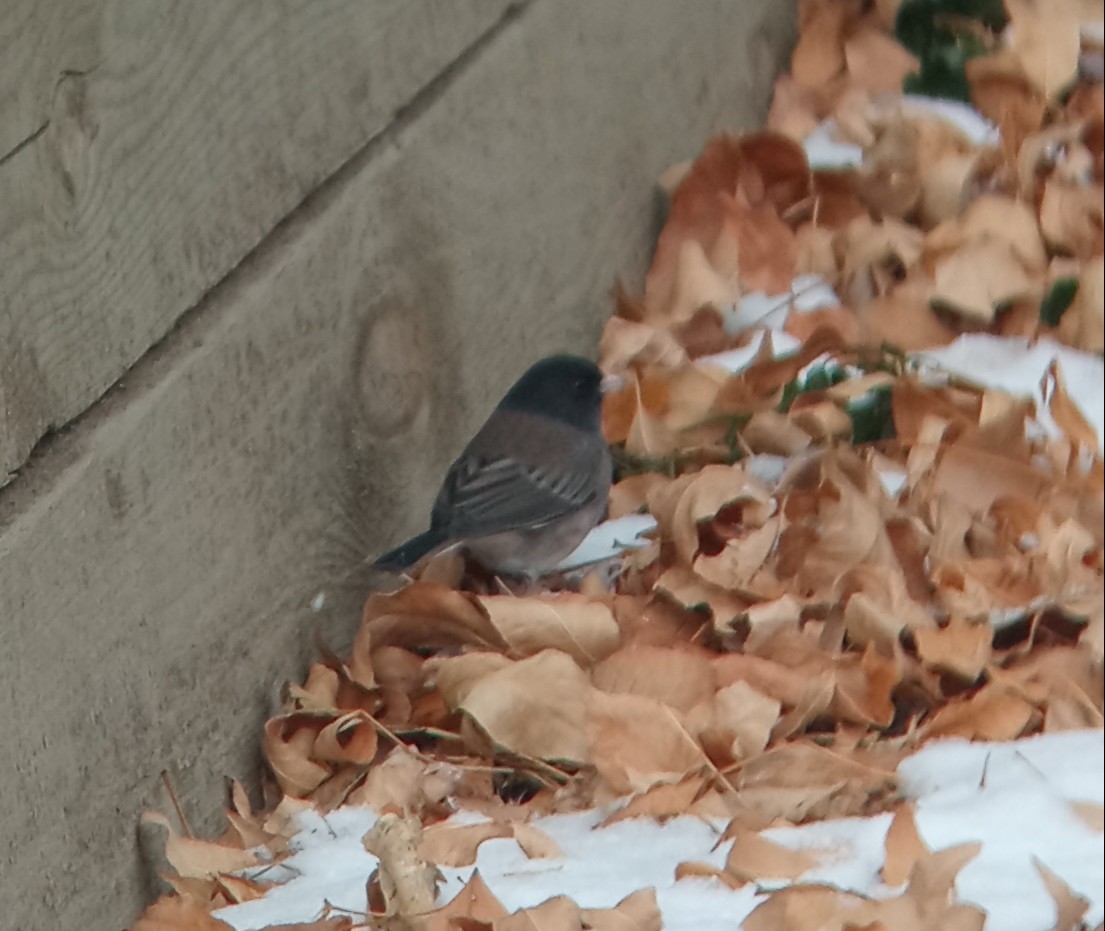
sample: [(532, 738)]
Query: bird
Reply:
[(531, 484)]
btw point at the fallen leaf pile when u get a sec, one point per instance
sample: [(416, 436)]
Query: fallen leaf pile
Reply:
[(851, 557)]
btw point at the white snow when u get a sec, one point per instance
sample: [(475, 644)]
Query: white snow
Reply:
[(825, 149), (1012, 797), (1018, 368), (609, 539), (770, 311)]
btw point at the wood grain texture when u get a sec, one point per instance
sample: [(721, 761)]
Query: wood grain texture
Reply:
[(166, 140), (159, 561)]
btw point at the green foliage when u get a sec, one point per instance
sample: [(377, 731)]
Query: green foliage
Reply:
[(818, 378), (872, 416), (1057, 300), (944, 35)]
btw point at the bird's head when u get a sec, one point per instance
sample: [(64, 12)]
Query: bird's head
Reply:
[(565, 388)]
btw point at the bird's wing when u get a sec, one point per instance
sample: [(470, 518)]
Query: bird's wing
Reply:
[(486, 496)]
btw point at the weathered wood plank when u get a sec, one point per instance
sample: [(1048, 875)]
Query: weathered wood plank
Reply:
[(176, 136), (39, 41), (158, 562)]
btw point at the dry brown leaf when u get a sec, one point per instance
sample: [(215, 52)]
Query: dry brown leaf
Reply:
[(535, 707), (402, 782), (1044, 40), (979, 278), (678, 678), (744, 717), (288, 742), (638, 911), (932, 880), (350, 738), (760, 169), (557, 914), (1071, 218), (407, 883), (1090, 814), (1070, 908), (691, 869), (904, 318), (904, 847), (630, 494), (1067, 414), (754, 857), (573, 624), (664, 801), (781, 681), (458, 844), (425, 615), (200, 859), (627, 342), (807, 908), (775, 434), (880, 607), (818, 58), (686, 589), (991, 713), (876, 62), (1088, 309), (174, 914), (636, 742), (682, 505), (739, 563), (926, 905), (864, 686), (801, 781), (960, 648), (474, 901)]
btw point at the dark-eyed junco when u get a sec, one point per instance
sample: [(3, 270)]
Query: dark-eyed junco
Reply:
[(531, 484)]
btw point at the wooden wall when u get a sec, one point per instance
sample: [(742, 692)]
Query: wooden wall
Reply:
[(264, 265)]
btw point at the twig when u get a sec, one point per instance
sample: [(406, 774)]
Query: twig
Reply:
[(168, 782)]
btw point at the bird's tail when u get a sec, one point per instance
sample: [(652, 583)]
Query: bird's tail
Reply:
[(411, 552)]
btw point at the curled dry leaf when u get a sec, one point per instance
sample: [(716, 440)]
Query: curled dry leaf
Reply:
[(407, 883), (288, 743), (680, 506), (425, 615), (350, 738)]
